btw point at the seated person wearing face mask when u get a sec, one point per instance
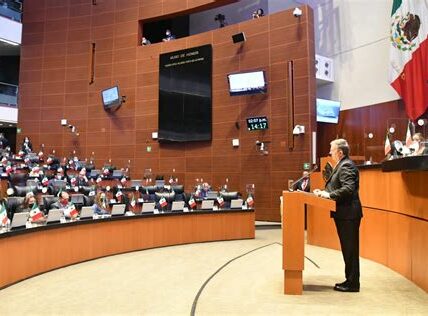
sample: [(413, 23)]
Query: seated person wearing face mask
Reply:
[(30, 205), (100, 205), (419, 142), (66, 206)]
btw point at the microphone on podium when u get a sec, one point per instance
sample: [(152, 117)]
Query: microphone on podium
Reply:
[(292, 184)]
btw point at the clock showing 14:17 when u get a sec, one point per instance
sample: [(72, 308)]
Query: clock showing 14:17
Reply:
[(257, 123)]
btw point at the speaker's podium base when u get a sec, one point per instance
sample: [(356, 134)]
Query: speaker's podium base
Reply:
[(293, 236), (293, 282)]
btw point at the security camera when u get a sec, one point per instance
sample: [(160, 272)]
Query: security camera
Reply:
[(297, 12)]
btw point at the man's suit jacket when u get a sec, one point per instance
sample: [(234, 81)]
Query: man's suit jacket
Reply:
[(343, 186), (302, 186)]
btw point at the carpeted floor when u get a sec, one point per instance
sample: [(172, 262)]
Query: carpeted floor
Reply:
[(232, 278)]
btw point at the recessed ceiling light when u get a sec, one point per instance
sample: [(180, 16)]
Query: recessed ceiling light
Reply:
[(1, 124), (10, 125)]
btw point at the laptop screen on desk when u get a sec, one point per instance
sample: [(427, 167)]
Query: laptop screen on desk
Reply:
[(19, 219), (118, 209), (207, 204)]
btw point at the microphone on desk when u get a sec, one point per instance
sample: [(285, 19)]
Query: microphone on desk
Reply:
[(292, 184)]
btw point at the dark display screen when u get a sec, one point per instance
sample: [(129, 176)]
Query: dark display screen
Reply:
[(257, 123), (185, 95)]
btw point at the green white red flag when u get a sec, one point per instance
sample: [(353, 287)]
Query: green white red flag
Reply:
[(408, 72), (3, 214), (409, 139), (387, 144)]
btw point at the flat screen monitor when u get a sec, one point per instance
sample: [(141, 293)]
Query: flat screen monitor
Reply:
[(111, 97), (328, 111), (247, 83), (257, 123)]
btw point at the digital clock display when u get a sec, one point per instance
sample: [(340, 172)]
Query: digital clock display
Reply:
[(257, 123)]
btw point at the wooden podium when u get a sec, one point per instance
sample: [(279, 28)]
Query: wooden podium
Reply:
[(293, 236)]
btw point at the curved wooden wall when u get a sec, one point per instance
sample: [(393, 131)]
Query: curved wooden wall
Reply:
[(39, 250), (394, 229), (54, 84)]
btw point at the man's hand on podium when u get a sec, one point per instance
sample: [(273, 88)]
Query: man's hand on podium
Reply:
[(322, 193)]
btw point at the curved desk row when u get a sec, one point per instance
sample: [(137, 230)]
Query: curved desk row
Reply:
[(394, 229), (29, 252)]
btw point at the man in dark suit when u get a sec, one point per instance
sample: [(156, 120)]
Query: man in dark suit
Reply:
[(304, 183), (342, 187)]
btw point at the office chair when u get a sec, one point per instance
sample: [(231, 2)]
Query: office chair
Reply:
[(23, 190)]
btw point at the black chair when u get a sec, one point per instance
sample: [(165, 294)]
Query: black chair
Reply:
[(32, 182), (136, 183), (89, 167), (86, 190), (18, 179), (23, 190), (89, 200), (180, 197), (228, 196), (13, 204), (117, 174), (48, 200), (178, 188), (58, 185), (95, 173), (148, 190), (78, 200), (169, 197)]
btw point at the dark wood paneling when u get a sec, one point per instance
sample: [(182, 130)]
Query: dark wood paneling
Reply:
[(355, 124)]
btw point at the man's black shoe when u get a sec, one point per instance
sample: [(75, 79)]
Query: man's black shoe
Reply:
[(346, 288), (343, 283)]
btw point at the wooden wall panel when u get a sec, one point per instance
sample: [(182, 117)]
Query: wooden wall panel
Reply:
[(55, 76), (355, 124)]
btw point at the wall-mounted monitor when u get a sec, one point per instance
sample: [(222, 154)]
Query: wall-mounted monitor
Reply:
[(111, 97), (328, 111), (257, 123), (247, 82)]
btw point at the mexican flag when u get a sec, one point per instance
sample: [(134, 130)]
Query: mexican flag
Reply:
[(220, 201), (3, 214), (133, 201), (192, 202), (163, 202), (250, 201), (71, 211), (387, 144), (409, 139), (35, 213), (408, 72)]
